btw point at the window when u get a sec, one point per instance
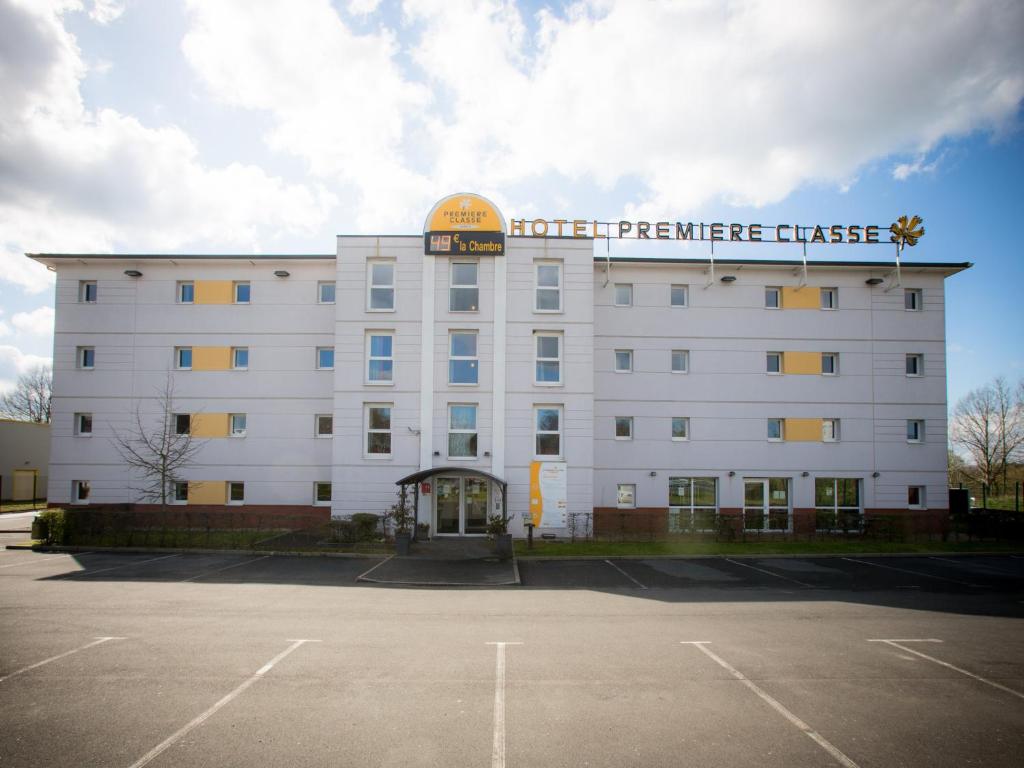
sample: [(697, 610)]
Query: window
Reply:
[(915, 365), (548, 295), (837, 504), (183, 358), (463, 364), (830, 298), (773, 298), (179, 492), (625, 496), (549, 359), (623, 427), (86, 357), (623, 360), (915, 431), (186, 292), (912, 299), (623, 295), (83, 424), (380, 360), (324, 425), (915, 496), (464, 290), (325, 293), (830, 430), (238, 424), (829, 363), (87, 291), (680, 361), (680, 428), (80, 490), (378, 430), (548, 430), (236, 493), (240, 358), (242, 292), (766, 504), (380, 286), (774, 362), (462, 435), (182, 424), (693, 504), (775, 431), (321, 494), (325, 358), (679, 295)]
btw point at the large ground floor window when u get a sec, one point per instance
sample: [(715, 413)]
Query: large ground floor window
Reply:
[(692, 504), (837, 504), (766, 504)]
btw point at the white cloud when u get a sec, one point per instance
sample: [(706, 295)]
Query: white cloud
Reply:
[(903, 171), (362, 7), (38, 322), (106, 11), (13, 358)]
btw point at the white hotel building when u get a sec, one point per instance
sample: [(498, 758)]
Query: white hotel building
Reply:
[(781, 396)]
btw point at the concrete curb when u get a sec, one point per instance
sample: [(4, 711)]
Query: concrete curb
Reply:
[(187, 550), (766, 556)]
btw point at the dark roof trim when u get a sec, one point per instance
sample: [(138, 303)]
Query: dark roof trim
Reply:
[(172, 256), (423, 474), (954, 266)]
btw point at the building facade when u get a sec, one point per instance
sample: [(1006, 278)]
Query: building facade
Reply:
[(788, 396)]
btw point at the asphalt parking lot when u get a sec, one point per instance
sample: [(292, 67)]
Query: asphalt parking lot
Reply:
[(224, 659)]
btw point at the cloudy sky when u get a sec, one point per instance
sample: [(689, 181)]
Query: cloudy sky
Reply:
[(233, 126)]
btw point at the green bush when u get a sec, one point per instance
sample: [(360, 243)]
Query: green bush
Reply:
[(342, 532), (366, 526), (57, 525)]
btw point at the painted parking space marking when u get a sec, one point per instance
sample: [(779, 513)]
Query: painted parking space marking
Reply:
[(498, 744), (635, 581), (366, 573), (44, 560), (971, 564), (123, 565), (770, 573), (94, 643), (816, 737), (204, 574), (200, 719), (914, 573), (901, 645)]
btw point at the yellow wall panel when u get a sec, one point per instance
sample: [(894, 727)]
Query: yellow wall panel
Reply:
[(211, 358), (803, 430), (801, 362), (209, 425), (799, 298), (214, 292), (207, 492)]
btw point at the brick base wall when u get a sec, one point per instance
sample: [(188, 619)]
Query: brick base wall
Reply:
[(210, 516)]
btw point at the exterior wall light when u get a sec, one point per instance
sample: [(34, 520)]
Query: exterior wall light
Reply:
[(729, 278), (282, 273), (654, 474), (874, 281), (805, 474), (732, 473), (133, 273), (876, 474)]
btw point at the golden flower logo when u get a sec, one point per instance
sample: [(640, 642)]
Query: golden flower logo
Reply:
[(907, 231)]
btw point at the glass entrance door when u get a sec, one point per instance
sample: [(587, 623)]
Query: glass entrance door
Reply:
[(766, 504), (449, 496), (475, 505), (462, 505)]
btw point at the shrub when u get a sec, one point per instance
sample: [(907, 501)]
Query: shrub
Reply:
[(57, 525), (366, 526)]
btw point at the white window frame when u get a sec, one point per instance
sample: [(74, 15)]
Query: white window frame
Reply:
[(767, 367), (234, 359), (79, 432), (628, 421), (175, 486), (317, 425), (686, 295), (918, 359), (615, 294), (835, 508), (76, 485), (560, 432), (236, 502), (474, 431), (917, 299), (324, 367), (177, 359), (685, 357), (833, 301), (690, 509), (830, 426), (179, 291), (317, 501), (320, 291), (615, 356), (922, 497), (835, 363), (918, 429), (80, 353), (453, 286), (232, 418), (778, 296), (559, 338), (782, 430), (234, 291), (537, 287), (178, 416), (370, 285), (685, 420), (619, 488), (367, 431), (370, 358), (83, 291), (452, 357)]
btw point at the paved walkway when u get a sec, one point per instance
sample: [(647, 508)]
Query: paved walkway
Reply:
[(466, 562)]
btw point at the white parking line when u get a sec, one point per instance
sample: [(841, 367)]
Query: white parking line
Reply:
[(915, 573), (225, 568), (818, 739), (163, 745), (43, 560), (125, 565), (364, 574), (979, 678), (613, 565), (770, 573), (95, 642), (498, 745), (976, 565)]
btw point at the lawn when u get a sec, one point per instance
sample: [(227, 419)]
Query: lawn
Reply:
[(682, 548), (22, 506)]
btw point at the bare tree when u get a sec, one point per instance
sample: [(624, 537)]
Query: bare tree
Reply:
[(31, 396), (1010, 422), (988, 423), (156, 449)]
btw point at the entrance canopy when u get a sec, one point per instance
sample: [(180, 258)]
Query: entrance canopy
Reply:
[(417, 477)]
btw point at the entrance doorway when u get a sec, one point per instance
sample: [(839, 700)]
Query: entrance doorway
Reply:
[(462, 504), (766, 504)]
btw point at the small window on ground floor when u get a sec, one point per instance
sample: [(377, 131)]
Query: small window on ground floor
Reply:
[(692, 504), (321, 493), (626, 496), (236, 493), (837, 504)]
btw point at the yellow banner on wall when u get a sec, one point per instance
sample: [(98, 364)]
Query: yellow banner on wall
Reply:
[(548, 494)]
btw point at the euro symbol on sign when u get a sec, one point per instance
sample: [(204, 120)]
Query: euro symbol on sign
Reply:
[(455, 238)]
